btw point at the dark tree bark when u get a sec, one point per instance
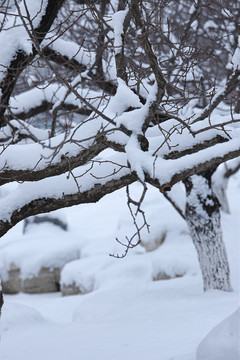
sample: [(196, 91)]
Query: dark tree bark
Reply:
[(203, 219), (1, 301)]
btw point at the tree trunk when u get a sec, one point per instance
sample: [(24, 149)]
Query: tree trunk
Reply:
[(1, 300), (203, 219)]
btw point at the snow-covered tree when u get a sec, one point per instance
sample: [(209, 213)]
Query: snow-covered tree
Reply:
[(98, 95)]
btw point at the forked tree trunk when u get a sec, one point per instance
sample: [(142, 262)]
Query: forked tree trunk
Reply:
[(203, 219)]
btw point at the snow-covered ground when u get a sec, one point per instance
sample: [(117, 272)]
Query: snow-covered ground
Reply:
[(126, 315)]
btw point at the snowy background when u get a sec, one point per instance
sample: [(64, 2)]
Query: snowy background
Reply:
[(126, 310)]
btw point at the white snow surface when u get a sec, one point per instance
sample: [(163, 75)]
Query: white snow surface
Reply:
[(223, 342), (126, 315)]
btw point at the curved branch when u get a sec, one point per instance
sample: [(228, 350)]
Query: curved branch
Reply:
[(46, 106), (164, 180), (218, 98), (66, 163), (50, 204), (58, 58)]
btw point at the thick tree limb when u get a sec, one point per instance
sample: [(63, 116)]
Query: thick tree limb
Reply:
[(67, 163), (195, 148), (72, 63), (98, 190), (198, 168), (69, 63), (50, 204)]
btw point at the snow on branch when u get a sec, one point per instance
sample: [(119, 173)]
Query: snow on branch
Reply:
[(14, 58), (86, 184), (90, 182), (142, 130), (219, 96), (117, 25), (70, 51), (236, 56), (45, 97), (56, 155)]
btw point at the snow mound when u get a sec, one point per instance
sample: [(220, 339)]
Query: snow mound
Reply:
[(81, 273), (223, 341), (19, 315), (48, 247), (97, 272), (129, 271)]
